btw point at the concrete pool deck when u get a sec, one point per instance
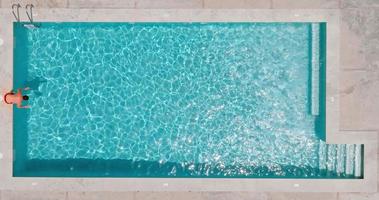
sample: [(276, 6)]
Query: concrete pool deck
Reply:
[(355, 108)]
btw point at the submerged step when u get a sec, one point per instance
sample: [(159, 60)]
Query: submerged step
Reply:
[(358, 161), (315, 66), (340, 158), (350, 149), (332, 157), (322, 154)]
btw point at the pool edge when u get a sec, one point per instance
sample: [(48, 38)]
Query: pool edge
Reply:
[(333, 132)]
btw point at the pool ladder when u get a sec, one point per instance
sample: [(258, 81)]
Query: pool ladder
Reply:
[(29, 13), (16, 6)]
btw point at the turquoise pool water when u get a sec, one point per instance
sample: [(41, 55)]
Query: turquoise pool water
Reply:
[(174, 100)]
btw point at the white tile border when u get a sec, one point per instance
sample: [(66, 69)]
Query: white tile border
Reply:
[(334, 135)]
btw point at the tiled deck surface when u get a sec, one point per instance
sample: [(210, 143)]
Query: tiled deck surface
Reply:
[(359, 83)]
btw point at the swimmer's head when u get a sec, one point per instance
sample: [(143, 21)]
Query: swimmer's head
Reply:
[(25, 97)]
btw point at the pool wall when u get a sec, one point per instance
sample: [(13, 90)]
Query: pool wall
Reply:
[(333, 132)]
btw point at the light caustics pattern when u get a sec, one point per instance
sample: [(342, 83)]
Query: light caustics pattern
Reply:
[(231, 97)]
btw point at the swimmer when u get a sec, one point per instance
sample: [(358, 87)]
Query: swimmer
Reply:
[(12, 98)]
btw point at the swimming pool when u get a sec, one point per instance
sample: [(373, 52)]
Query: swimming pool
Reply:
[(175, 100)]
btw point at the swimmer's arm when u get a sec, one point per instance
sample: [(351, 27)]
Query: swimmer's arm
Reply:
[(20, 106), (19, 90)]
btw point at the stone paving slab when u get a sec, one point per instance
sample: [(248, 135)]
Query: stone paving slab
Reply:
[(32, 195), (168, 195), (359, 3), (101, 3), (305, 4), (101, 195), (252, 4), (36, 3), (169, 4), (305, 196), (359, 38), (358, 196), (359, 96), (234, 196), (28, 195), (314, 4)]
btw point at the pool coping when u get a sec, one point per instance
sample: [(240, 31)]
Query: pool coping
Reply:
[(334, 134)]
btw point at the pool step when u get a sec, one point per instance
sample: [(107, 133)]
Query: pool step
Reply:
[(342, 159), (315, 68), (331, 160), (358, 161), (350, 148), (322, 154)]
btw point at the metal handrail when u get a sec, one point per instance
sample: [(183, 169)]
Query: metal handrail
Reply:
[(30, 16), (17, 6)]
